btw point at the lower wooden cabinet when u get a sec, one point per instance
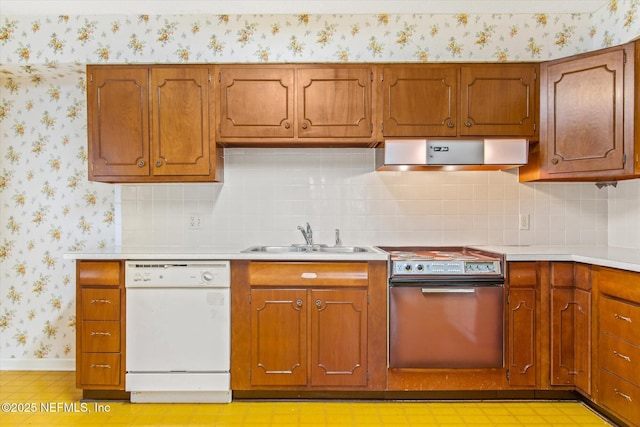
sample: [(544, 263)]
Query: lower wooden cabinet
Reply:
[(100, 331), (298, 325), (617, 342)]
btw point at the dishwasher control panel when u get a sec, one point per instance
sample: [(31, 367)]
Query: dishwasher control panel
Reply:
[(147, 273)]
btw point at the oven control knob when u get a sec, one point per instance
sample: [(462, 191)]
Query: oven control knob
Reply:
[(420, 267), (407, 267), (207, 276)]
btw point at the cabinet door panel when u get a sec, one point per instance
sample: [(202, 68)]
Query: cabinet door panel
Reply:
[(118, 121), (334, 102), (180, 121), (256, 103), (522, 337), (339, 337), (420, 101), (278, 337), (497, 100), (586, 114)]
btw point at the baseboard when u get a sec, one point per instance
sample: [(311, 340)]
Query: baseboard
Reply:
[(37, 364)]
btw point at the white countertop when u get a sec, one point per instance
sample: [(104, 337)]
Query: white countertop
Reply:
[(607, 256)]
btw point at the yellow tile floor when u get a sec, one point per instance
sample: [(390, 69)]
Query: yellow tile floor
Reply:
[(45, 398)]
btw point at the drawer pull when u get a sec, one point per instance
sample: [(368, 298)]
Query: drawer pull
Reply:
[(621, 394), (100, 301), (621, 317), (622, 356), (309, 275), (106, 334), (101, 366)]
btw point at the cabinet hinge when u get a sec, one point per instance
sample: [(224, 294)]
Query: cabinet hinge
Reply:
[(534, 127), (535, 76), (368, 298), (624, 56), (219, 77), (371, 76), (624, 159), (382, 76), (91, 78), (249, 297), (371, 128), (382, 127), (209, 77), (508, 298), (508, 374)]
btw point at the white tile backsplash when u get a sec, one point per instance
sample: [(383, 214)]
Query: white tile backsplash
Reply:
[(267, 193)]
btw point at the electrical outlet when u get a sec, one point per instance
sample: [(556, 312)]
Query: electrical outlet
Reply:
[(194, 222), (524, 221)]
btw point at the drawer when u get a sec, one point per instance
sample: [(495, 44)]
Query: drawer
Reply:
[(620, 319), (100, 369), (103, 273), (308, 274), (100, 304), (620, 357), (619, 396), (101, 337), (522, 274)]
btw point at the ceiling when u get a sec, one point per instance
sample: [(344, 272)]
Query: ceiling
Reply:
[(229, 7)]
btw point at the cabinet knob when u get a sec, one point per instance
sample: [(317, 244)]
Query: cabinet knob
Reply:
[(450, 124), (287, 125), (554, 161), (158, 163), (141, 164), (305, 125), (318, 303), (299, 302), (467, 123)]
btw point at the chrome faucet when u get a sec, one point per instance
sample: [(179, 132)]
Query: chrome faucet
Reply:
[(307, 234), (338, 241)]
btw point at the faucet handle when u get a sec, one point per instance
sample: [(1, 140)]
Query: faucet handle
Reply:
[(338, 241)]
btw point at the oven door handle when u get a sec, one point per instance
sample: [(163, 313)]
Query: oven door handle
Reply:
[(448, 290)]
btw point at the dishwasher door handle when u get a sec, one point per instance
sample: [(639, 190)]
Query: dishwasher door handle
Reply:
[(448, 291)]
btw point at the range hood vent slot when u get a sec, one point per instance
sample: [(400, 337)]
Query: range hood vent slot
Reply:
[(451, 154)]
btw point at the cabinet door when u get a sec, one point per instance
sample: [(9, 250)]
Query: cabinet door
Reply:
[(585, 114), (278, 337), (420, 101), (339, 337), (255, 102), (180, 140), (571, 338), (118, 121), (522, 337), (334, 102), (498, 100)]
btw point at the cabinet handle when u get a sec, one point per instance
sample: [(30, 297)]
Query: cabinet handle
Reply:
[(554, 161), (106, 334), (450, 124), (467, 124), (318, 303), (287, 125), (622, 356), (621, 317), (158, 163), (100, 301), (101, 366), (621, 394), (309, 275), (299, 302), (141, 164), (305, 125)]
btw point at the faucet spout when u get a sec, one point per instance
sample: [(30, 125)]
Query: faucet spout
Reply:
[(307, 234)]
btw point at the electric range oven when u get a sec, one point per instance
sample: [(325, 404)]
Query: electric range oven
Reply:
[(446, 308)]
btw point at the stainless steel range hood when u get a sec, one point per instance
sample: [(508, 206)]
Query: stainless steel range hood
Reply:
[(451, 154)]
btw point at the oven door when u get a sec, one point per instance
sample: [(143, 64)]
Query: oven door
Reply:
[(446, 325)]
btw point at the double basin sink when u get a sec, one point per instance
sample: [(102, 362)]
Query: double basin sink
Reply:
[(307, 249)]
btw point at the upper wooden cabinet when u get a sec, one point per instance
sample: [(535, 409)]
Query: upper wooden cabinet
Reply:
[(587, 118), (295, 105), (150, 124), (431, 100)]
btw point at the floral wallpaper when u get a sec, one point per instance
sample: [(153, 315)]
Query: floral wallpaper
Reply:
[(49, 208)]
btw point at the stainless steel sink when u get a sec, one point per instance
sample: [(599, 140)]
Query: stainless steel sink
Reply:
[(304, 248)]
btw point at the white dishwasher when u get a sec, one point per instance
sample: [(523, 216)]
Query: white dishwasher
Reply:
[(178, 319)]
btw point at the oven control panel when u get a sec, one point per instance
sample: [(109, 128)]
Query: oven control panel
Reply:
[(446, 268)]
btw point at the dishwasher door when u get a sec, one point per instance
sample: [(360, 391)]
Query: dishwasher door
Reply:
[(448, 326)]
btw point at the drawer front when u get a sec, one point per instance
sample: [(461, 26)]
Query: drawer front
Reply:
[(100, 304), (308, 274), (100, 369), (103, 273), (620, 319), (620, 357), (101, 336), (620, 396), (522, 274)]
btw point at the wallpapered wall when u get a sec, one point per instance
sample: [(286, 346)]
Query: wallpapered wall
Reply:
[(49, 208)]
